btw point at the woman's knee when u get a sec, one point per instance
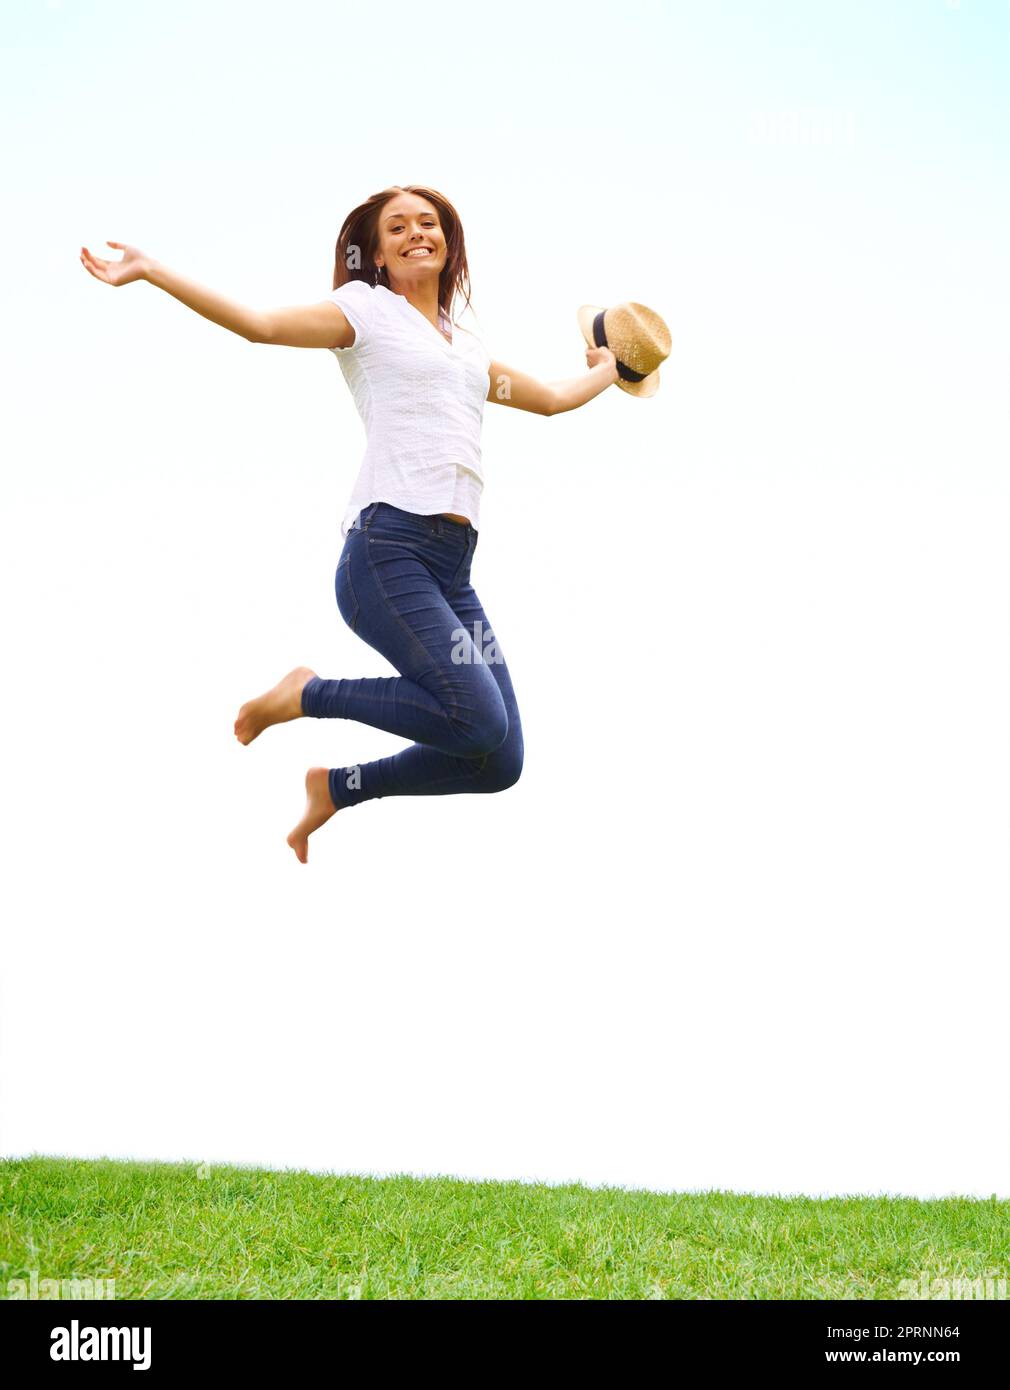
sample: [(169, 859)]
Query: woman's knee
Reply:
[(484, 733), (503, 767)]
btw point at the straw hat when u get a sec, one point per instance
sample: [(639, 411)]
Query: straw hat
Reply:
[(637, 337)]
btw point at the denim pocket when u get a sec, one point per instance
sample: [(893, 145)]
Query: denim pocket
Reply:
[(347, 599)]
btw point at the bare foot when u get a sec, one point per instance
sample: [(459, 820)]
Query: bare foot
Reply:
[(319, 808), (277, 706)]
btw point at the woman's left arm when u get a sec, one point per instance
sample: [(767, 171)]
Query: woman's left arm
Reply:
[(522, 392)]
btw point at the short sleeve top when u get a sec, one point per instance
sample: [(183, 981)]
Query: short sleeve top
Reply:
[(421, 401)]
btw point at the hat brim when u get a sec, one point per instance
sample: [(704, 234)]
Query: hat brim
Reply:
[(648, 386)]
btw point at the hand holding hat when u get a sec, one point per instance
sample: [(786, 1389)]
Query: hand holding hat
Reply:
[(638, 338)]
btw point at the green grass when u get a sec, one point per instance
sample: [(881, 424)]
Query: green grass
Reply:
[(162, 1230)]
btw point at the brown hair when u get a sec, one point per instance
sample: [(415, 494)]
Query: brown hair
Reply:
[(359, 241)]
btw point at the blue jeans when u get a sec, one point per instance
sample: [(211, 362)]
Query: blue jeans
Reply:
[(403, 585)]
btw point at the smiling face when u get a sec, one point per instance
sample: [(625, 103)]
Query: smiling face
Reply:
[(408, 224)]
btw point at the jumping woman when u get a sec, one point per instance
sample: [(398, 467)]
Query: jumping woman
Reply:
[(419, 382)]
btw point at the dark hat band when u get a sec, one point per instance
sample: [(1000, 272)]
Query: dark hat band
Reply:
[(625, 373)]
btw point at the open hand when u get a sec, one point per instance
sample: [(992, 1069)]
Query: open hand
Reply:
[(133, 266)]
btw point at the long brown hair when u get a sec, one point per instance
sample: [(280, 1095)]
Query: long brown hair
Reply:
[(358, 243)]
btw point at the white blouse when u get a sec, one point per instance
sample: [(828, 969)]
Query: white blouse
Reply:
[(421, 400)]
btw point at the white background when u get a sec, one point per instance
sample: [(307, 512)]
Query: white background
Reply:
[(743, 921)]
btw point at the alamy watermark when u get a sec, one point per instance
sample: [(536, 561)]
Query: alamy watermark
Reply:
[(77, 1343), (988, 1287), (803, 127), (483, 647), (76, 1288)]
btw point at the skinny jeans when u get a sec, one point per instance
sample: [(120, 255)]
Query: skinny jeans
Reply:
[(403, 586)]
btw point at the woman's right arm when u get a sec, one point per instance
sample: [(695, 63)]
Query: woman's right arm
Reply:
[(320, 325)]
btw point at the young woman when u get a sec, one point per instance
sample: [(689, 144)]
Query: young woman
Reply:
[(419, 382)]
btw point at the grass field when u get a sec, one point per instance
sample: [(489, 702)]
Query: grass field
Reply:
[(165, 1230)]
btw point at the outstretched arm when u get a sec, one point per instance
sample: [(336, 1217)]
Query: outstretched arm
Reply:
[(320, 325), (522, 392)]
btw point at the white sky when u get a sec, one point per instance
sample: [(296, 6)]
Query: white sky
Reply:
[(743, 923)]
